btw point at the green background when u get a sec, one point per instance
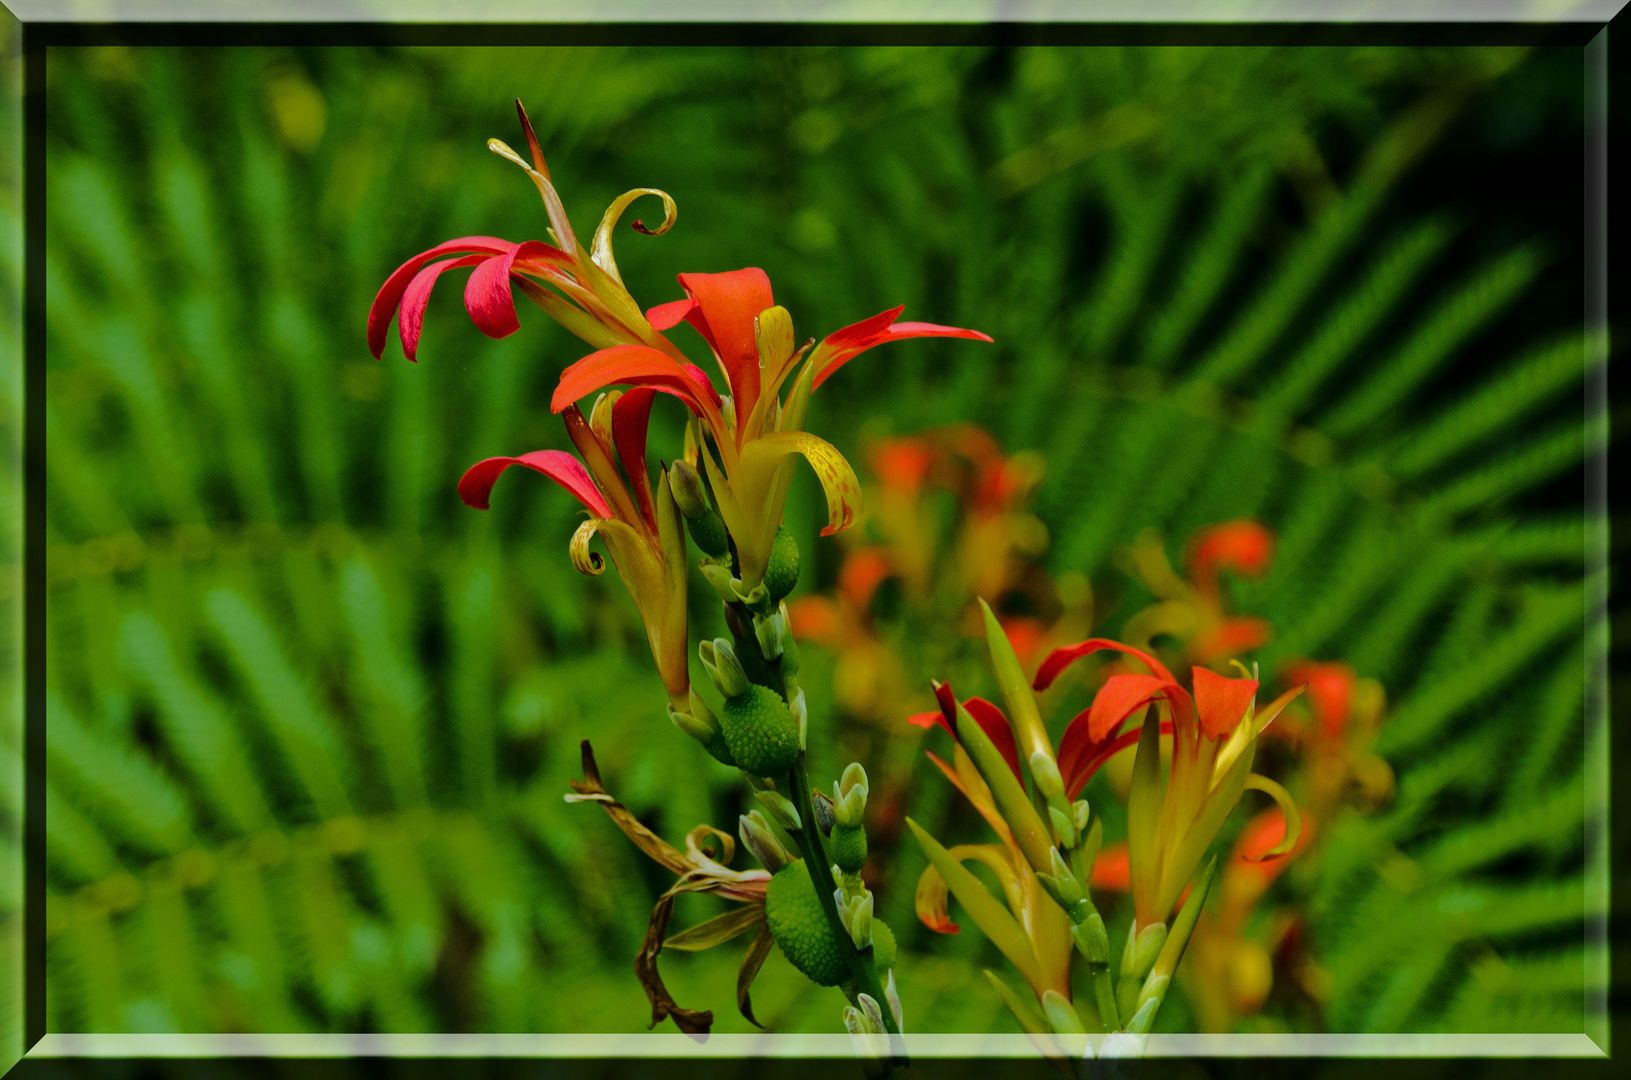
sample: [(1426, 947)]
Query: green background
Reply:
[(310, 719)]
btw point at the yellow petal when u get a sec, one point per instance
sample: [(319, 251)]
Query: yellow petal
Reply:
[(761, 456), (600, 251), (1288, 807)]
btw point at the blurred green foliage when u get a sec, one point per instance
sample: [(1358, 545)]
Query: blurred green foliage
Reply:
[(310, 719)]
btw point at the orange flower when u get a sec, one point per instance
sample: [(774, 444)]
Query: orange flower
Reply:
[(1215, 731), (1192, 610)]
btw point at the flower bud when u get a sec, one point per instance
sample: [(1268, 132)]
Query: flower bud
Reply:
[(849, 795), (1140, 954), (874, 1014), (719, 658), (855, 1024), (1143, 1018), (894, 1001), (758, 839), (1045, 771), (870, 1046), (689, 495), (1154, 990), (823, 807), (1062, 885), (779, 807), (801, 713), (857, 918), (1079, 811), (722, 582), (771, 630), (693, 727), (1062, 1016), (707, 528), (1062, 827)]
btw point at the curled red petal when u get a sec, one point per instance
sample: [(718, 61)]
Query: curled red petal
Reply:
[(477, 483), (667, 316), (487, 294), (411, 320), (630, 416), (948, 707), (1119, 698), (389, 296), (988, 716), (1221, 701), (639, 365), (844, 345), (1063, 657), (727, 304)]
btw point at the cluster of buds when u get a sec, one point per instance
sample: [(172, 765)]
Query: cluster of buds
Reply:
[(729, 485)]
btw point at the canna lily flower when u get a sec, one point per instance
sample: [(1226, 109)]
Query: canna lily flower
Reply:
[(642, 531), (753, 429), (582, 291), (1192, 610), (1347, 711), (697, 870), (1214, 732), (995, 535)]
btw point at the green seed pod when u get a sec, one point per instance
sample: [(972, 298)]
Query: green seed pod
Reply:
[(761, 731), (708, 531), (848, 847), (783, 572), (720, 750), (800, 928)]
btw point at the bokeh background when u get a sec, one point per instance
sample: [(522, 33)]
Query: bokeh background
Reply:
[(310, 718)]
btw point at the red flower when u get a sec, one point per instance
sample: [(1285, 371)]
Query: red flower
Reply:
[(588, 296), (641, 531), (754, 430), (1214, 736), (988, 716)]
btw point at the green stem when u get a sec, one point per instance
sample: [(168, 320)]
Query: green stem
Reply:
[(815, 857), (1104, 991)]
